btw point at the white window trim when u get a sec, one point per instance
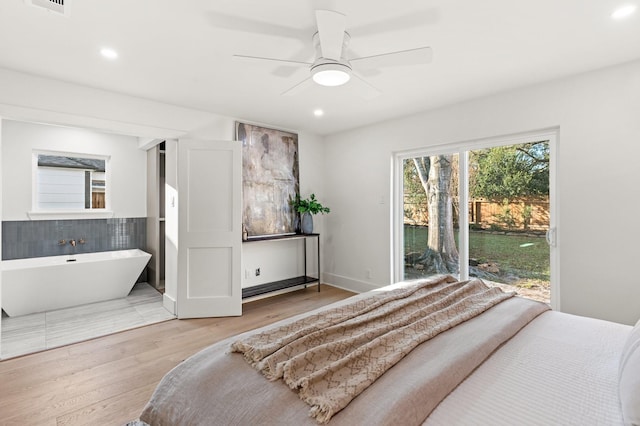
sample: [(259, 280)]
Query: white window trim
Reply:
[(461, 148), (69, 214), (35, 213)]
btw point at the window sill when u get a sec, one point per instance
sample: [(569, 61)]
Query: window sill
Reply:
[(55, 215)]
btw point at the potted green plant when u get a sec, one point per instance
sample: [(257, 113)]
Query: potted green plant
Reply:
[(307, 207)]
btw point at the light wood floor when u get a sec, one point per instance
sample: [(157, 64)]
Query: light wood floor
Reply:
[(107, 381)]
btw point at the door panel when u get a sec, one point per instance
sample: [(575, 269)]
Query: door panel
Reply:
[(509, 213), (210, 172), (205, 263), (430, 222), (209, 264)]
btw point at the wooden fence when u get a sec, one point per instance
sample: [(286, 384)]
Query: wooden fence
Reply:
[(521, 214)]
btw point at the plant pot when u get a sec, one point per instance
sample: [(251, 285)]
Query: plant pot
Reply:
[(307, 223)]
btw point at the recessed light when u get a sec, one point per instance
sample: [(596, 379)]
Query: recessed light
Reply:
[(623, 11), (108, 53), (318, 113)]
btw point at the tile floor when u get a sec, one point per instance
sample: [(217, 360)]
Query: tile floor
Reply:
[(35, 332)]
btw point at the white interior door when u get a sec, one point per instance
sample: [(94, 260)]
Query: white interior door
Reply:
[(209, 229)]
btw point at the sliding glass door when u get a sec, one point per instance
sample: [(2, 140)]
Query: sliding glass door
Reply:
[(482, 209), (431, 209)]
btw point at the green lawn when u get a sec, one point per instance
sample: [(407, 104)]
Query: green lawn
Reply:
[(520, 258)]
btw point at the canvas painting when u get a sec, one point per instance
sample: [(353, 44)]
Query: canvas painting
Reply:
[(270, 179)]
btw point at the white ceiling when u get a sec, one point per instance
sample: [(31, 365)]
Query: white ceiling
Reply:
[(180, 52)]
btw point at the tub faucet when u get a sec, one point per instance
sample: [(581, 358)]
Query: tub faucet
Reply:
[(72, 242)]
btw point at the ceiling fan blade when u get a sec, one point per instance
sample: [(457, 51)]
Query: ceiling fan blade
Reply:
[(300, 87), (415, 19), (252, 26), (365, 90), (274, 60), (331, 26), (421, 55)]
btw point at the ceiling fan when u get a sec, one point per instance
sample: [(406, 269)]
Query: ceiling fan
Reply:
[(331, 66)]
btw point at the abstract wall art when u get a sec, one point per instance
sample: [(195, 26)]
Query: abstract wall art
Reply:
[(270, 179)]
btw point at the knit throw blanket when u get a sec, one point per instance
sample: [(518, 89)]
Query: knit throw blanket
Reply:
[(332, 356)]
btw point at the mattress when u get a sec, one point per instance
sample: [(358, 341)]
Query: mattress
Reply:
[(560, 369)]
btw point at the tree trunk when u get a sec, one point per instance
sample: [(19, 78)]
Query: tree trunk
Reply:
[(441, 255)]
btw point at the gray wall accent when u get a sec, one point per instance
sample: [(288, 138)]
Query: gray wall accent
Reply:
[(37, 238)]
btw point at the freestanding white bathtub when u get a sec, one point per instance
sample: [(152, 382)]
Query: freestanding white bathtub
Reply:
[(42, 284)]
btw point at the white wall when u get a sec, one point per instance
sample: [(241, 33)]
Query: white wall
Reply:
[(29, 98), (128, 164), (25, 97), (279, 260), (597, 114), (598, 182)]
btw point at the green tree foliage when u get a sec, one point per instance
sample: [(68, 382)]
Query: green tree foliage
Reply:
[(415, 197), (508, 172)]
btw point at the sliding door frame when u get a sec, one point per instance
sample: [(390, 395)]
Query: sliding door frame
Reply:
[(462, 149)]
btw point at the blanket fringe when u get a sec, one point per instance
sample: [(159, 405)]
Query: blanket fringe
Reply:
[(250, 353), (322, 414)]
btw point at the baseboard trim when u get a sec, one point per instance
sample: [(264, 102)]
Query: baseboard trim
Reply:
[(346, 283), (168, 303)]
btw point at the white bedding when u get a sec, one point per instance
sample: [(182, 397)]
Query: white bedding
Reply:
[(559, 370)]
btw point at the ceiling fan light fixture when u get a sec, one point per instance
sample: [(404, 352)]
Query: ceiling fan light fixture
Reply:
[(331, 74)]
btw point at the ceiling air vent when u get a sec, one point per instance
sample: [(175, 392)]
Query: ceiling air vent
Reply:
[(58, 6)]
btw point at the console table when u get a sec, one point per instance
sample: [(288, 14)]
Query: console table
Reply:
[(289, 282)]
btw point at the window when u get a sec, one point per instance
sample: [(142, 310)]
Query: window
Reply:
[(72, 183), (478, 209)]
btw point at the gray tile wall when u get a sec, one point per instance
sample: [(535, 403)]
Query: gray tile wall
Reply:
[(38, 238)]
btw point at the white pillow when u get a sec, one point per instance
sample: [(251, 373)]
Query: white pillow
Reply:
[(629, 379)]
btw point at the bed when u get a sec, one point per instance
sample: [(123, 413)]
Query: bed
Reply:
[(513, 361)]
